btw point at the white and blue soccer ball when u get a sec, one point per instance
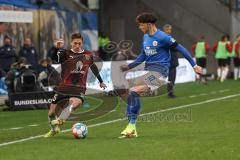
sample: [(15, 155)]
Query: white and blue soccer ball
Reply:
[(79, 131)]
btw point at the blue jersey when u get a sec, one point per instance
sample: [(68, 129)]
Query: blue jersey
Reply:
[(156, 52)]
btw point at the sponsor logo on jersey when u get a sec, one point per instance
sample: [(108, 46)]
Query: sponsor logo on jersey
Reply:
[(150, 51), (78, 68)]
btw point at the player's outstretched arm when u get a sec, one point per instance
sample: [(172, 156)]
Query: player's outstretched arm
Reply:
[(186, 54), (137, 61), (96, 73)]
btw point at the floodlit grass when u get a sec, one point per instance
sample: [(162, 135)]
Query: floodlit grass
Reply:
[(203, 130)]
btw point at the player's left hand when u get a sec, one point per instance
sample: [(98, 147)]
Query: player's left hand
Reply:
[(103, 85), (198, 69), (124, 67)]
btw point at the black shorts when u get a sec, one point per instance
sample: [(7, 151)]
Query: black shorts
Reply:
[(59, 97), (229, 61), (222, 62), (236, 62), (202, 62)]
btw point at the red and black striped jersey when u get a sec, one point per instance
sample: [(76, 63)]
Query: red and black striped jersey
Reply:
[(74, 71)]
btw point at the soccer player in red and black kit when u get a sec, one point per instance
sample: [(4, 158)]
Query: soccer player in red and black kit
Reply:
[(72, 86)]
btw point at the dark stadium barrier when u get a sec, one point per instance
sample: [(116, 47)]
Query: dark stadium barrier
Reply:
[(30, 100)]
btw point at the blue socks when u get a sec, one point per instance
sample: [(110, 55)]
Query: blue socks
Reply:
[(133, 107)]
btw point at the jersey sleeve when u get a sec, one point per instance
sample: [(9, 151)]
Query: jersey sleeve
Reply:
[(193, 49), (215, 46), (169, 41), (237, 47), (207, 46), (95, 70), (186, 54), (141, 58), (229, 47)]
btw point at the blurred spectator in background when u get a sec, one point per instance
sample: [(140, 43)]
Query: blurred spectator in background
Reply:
[(222, 50), (56, 49), (3, 87), (86, 42), (15, 71), (29, 53), (200, 50), (167, 28), (2, 73), (236, 57), (103, 40), (7, 54), (2, 30), (44, 69), (229, 46)]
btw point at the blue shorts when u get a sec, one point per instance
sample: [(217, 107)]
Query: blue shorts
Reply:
[(152, 79)]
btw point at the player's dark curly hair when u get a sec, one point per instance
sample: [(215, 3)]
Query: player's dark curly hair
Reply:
[(146, 18), (225, 36), (76, 36)]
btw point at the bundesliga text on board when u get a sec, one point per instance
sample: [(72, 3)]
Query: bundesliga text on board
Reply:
[(32, 101)]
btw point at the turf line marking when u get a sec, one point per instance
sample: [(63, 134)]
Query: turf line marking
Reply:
[(15, 128), (33, 125), (203, 94), (121, 119), (213, 92), (193, 96), (225, 90)]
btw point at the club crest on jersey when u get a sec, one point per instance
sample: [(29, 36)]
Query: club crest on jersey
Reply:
[(78, 68), (155, 43)]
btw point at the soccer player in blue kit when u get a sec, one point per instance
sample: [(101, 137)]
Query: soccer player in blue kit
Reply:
[(155, 52)]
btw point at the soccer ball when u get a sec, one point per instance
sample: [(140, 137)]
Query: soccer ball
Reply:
[(79, 131)]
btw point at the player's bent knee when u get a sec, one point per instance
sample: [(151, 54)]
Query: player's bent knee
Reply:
[(134, 89), (139, 89), (76, 102)]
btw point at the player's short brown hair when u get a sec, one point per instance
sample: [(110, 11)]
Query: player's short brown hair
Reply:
[(76, 36), (146, 18), (167, 26)]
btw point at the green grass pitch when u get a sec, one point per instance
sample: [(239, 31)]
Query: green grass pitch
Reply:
[(201, 123)]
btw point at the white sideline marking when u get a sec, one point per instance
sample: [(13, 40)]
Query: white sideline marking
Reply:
[(33, 125), (203, 94), (193, 96), (225, 90), (213, 92), (15, 128), (121, 119)]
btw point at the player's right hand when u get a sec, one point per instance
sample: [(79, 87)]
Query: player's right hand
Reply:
[(103, 85), (124, 67), (198, 69)]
